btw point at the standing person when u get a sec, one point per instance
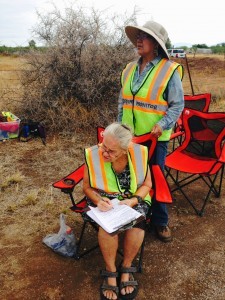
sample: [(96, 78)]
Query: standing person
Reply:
[(151, 100), (118, 168)]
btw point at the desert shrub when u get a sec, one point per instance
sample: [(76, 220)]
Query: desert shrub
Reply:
[(75, 82)]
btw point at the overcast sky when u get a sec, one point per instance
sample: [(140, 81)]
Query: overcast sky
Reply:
[(187, 21)]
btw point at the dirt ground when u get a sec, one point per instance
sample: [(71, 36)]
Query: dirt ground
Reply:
[(192, 266)]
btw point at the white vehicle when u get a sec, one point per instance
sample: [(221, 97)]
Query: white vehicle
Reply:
[(178, 53)]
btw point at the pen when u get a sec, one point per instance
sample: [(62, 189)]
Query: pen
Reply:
[(100, 197)]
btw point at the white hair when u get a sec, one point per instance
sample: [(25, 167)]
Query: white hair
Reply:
[(122, 133)]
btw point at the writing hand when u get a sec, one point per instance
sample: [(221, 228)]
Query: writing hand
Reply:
[(105, 204)]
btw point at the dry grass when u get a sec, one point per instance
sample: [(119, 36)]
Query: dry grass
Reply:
[(10, 86), (28, 169), (26, 175), (30, 210), (205, 74), (206, 78), (11, 62), (220, 57)]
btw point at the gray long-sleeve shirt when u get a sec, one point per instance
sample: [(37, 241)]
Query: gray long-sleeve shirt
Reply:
[(173, 94)]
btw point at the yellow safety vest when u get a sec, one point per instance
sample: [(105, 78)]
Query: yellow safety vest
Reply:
[(103, 177), (147, 107)]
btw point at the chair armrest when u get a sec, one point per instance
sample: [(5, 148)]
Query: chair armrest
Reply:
[(67, 183), (161, 188), (176, 134)]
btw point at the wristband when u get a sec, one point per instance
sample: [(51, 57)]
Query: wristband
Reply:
[(139, 198)]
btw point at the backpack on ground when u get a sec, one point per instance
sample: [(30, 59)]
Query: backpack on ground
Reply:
[(30, 129)]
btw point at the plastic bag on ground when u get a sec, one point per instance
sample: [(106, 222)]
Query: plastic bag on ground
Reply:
[(63, 242)]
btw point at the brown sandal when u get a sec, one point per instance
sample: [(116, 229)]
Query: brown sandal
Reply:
[(131, 282), (105, 286)]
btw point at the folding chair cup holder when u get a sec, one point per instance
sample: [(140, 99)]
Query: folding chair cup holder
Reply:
[(199, 158), (160, 191)]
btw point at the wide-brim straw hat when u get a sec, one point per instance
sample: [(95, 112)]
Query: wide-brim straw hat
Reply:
[(154, 29)]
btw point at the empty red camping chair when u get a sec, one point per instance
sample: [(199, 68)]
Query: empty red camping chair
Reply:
[(201, 156), (198, 102)]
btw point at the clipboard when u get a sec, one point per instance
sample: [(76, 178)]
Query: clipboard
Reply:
[(119, 219)]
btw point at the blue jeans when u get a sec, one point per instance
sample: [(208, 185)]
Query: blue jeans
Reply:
[(159, 210)]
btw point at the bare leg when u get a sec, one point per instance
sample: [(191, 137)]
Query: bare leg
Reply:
[(109, 245), (132, 242)]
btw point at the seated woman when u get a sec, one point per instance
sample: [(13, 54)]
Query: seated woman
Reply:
[(118, 168)]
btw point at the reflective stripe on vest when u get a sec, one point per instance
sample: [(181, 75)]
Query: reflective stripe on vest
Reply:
[(148, 104), (102, 176)]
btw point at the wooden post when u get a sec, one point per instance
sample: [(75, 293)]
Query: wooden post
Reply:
[(192, 89)]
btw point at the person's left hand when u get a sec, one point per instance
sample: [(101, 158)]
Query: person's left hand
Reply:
[(156, 131), (127, 202)]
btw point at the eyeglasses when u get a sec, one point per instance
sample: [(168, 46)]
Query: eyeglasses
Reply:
[(142, 36), (110, 152)]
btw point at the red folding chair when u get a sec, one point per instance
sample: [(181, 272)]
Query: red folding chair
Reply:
[(199, 102), (67, 185), (201, 156)]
